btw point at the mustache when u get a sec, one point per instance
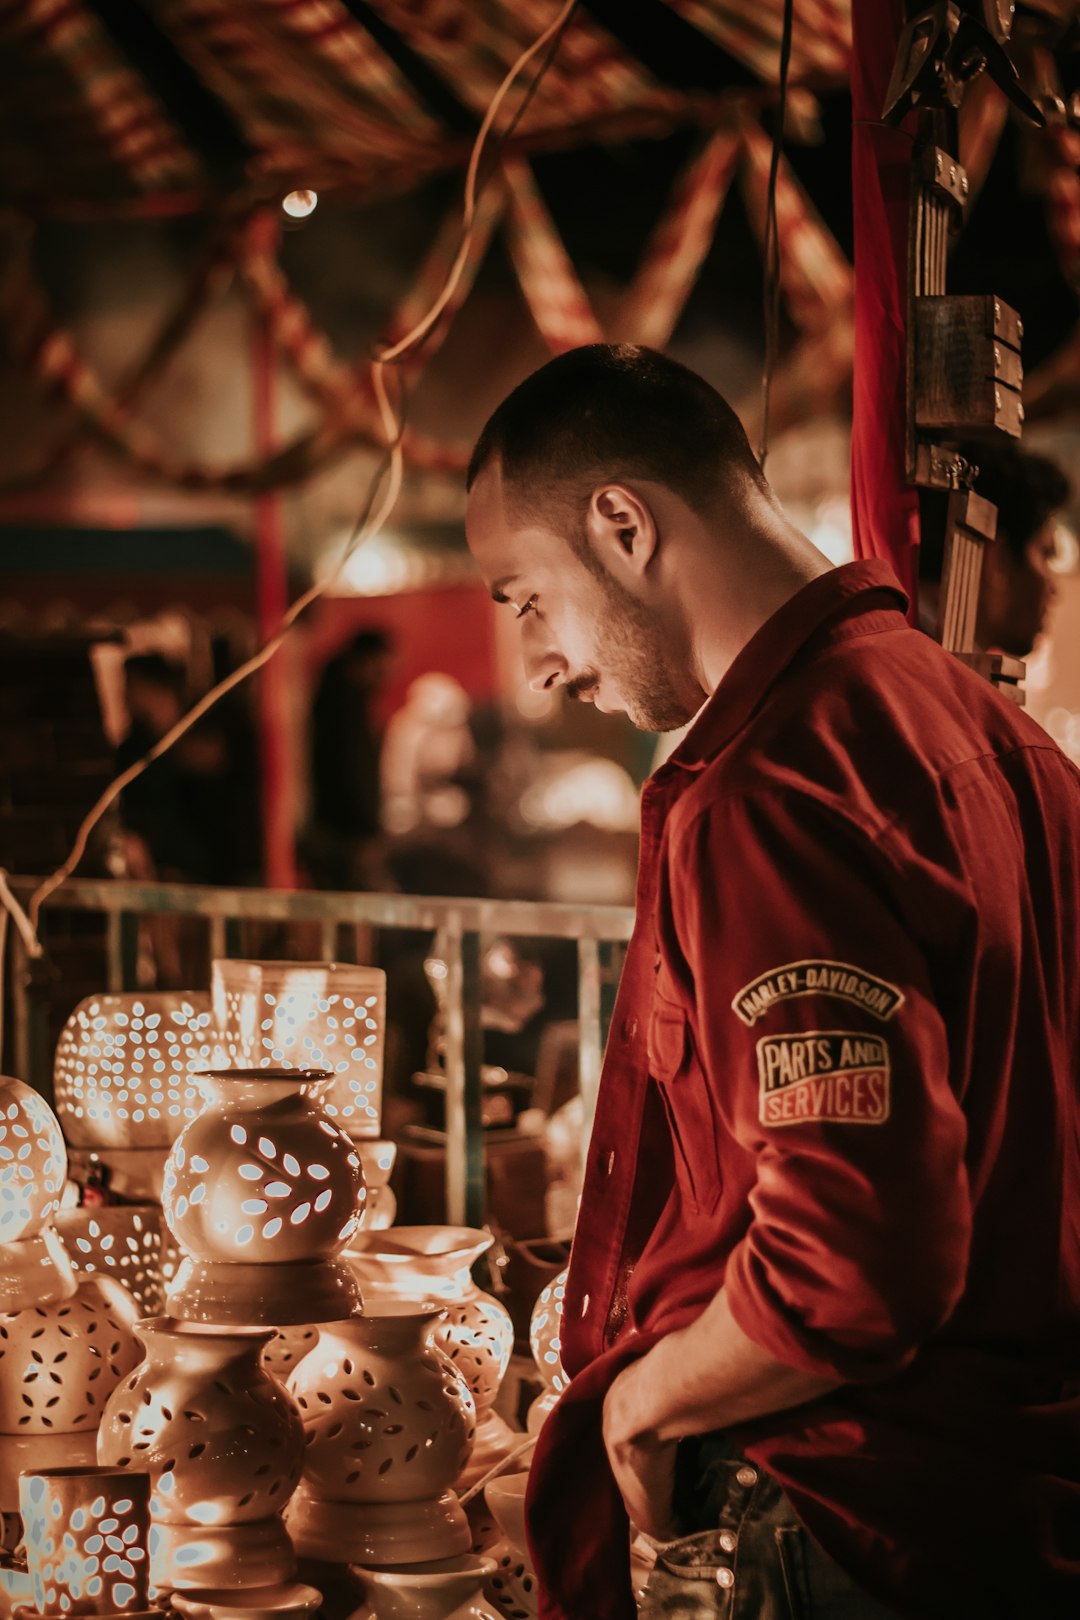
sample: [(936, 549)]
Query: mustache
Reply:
[(582, 686)]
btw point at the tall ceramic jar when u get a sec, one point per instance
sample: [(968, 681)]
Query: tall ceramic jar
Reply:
[(59, 1364), (447, 1589), (85, 1534), (223, 1445), (435, 1262), (34, 1265), (263, 1191), (389, 1423)]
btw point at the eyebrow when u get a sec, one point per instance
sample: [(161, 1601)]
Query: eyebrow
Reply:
[(498, 593)]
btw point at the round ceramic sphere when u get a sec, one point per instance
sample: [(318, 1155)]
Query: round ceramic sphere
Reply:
[(219, 1436), (60, 1363), (33, 1161), (125, 1066), (544, 1330), (262, 1175)]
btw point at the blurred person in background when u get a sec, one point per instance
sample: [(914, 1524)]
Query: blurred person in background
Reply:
[(342, 842), (1017, 588)]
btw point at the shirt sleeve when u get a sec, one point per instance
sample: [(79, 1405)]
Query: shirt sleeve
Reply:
[(827, 1059)]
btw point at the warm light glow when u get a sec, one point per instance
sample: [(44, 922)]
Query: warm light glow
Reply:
[(299, 204)]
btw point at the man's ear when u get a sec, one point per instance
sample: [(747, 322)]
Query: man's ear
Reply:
[(621, 528)]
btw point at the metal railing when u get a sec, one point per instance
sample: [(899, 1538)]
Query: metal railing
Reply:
[(462, 923)]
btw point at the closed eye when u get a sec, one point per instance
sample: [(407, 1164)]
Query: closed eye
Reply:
[(527, 607)]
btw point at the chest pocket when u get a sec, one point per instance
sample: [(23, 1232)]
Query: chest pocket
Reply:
[(673, 1065)]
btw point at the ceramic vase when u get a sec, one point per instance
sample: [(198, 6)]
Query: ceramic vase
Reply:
[(34, 1265), (448, 1589), (85, 1533), (309, 1015), (123, 1241), (545, 1327), (289, 1601), (388, 1424), (59, 1364), (377, 1160), (263, 1191), (223, 1445), (511, 1587), (124, 1069), (435, 1262)]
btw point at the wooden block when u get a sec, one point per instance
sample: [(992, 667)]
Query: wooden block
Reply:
[(968, 371)]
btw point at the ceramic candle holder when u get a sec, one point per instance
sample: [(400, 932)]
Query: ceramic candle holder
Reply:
[(511, 1588), (34, 1267), (448, 1589), (263, 1191), (59, 1364), (289, 1601), (85, 1533), (545, 1327), (124, 1067), (377, 1159), (388, 1424), (309, 1015), (477, 1333), (123, 1241), (223, 1445)]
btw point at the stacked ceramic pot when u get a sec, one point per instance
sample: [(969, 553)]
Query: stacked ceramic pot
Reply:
[(545, 1329), (86, 1533), (511, 1587), (416, 1263), (34, 1265), (124, 1083)]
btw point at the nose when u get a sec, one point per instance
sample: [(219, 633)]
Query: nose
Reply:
[(545, 666)]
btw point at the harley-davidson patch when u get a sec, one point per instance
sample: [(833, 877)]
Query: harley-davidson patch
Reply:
[(814, 977), (837, 1075)]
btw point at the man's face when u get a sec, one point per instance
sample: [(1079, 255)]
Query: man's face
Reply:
[(1017, 593), (580, 627)]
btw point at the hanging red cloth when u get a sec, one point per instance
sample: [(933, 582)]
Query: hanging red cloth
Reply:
[(884, 507)]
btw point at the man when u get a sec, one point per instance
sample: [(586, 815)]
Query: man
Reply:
[(1017, 587), (823, 1312)]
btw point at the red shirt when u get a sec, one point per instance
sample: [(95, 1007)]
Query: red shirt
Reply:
[(842, 1082)]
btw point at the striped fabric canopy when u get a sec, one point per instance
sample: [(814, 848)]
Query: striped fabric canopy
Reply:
[(162, 106)]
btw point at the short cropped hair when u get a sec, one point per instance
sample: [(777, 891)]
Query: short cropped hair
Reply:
[(612, 410), (1026, 488)]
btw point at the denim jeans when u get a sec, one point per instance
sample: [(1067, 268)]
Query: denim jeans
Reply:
[(751, 1559)]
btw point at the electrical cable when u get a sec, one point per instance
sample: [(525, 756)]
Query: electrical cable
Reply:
[(772, 236), (388, 475)]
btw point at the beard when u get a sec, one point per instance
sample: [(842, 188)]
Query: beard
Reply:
[(634, 654)]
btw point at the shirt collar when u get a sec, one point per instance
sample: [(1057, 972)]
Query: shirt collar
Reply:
[(846, 593)]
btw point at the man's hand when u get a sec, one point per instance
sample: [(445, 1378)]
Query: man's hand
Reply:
[(643, 1464)]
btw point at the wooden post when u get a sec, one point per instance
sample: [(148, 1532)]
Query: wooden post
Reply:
[(271, 597)]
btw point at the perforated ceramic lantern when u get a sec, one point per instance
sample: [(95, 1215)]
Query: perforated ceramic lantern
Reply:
[(34, 1266), (59, 1364), (124, 1068), (511, 1587), (262, 1191), (223, 1445), (477, 1333), (388, 1424), (309, 1015), (124, 1241), (85, 1532), (448, 1589), (545, 1327)]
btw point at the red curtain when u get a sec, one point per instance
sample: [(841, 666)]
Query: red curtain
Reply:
[(884, 507)]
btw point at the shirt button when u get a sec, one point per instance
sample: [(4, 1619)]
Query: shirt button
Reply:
[(725, 1578), (746, 1476), (728, 1540)]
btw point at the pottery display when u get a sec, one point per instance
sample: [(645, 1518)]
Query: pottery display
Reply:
[(59, 1364), (288, 1601), (308, 1015), (122, 1241), (435, 1262), (124, 1068), (262, 1191), (34, 1266), (377, 1160), (511, 1588), (448, 1589), (223, 1445), (85, 1533), (545, 1326), (388, 1423)]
